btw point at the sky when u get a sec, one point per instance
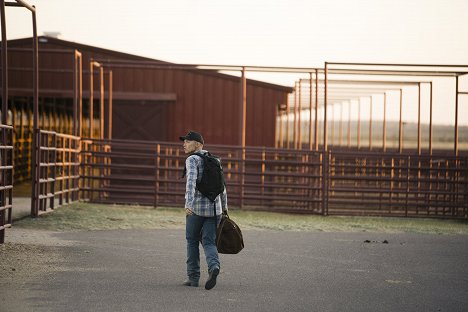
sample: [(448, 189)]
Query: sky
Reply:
[(292, 33)]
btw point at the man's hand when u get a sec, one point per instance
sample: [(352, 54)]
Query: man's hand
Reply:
[(188, 212)]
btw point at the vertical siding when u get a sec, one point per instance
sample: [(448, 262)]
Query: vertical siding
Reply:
[(207, 102), (218, 110)]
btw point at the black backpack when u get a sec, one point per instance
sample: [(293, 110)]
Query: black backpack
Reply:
[(211, 183)]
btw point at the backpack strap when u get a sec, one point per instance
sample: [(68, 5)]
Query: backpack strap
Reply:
[(184, 173)]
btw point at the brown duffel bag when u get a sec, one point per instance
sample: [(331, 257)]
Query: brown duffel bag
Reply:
[(229, 238)]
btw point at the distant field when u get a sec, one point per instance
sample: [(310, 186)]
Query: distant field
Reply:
[(443, 136)]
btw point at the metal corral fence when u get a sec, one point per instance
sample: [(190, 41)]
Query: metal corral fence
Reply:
[(6, 178), (386, 184), (148, 173), (299, 181), (56, 180)]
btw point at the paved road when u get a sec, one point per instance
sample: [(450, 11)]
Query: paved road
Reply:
[(141, 270)]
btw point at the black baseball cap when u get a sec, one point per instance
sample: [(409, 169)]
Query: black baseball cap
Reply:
[(193, 136)]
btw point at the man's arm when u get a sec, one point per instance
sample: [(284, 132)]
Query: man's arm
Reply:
[(190, 186), (224, 200)]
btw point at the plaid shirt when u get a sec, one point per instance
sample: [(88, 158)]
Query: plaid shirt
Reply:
[(199, 204)]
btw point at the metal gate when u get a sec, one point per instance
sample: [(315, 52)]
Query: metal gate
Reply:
[(56, 176), (6, 179)]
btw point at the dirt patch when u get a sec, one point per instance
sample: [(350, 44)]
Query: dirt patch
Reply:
[(28, 254), (19, 262)]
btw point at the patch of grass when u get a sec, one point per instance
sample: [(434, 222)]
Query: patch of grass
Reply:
[(291, 222), (85, 216)]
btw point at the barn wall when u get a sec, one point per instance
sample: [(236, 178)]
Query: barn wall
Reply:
[(199, 100)]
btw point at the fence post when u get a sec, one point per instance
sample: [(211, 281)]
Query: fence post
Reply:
[(76, 168), (455, 187), (53, 167), (35, 172), (2, 192), (325, 177), (242, 178), (156, 176), (101, 163), (407, 184)]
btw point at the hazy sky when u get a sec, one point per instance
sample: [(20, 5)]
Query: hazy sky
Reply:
[(273, 32), (259, 32)]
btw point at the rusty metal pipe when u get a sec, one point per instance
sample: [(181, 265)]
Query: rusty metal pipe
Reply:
[(243, 108), (370, 123), (299, 108), (91, 98), (77, 93), (36, 69), (394, 73), (4, 65), (310, 112), (384, 130), (400, 124), (109, 126), (325, 143), (287, 122), (21, 3), (210, 66), (397, 64), (455, 144), (377, 83), (4, 111), (243, 122), (316, 112), (92, 64), (419, 119), (295, 117), (430, 120), (80, 97), (101, 100)]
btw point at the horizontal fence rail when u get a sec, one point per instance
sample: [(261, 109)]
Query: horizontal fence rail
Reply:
[(57, 181), (6, 179), (284, 180), (151, 174), (397, 185)]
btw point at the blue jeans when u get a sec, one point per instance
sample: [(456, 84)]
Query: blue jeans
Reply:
[(205, 228)]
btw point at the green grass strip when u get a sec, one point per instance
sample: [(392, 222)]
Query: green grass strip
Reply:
[(85, 216)]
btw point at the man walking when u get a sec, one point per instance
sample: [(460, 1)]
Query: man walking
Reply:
[(201, 221)]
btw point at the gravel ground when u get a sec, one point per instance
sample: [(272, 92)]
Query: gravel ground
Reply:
[(27, 257), (29, 253)]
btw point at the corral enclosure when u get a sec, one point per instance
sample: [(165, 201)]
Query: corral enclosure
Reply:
[(292, 149)]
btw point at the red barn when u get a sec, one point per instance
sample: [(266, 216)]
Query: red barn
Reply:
[(156, 104)]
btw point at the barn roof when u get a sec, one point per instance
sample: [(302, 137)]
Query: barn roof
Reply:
[(132, 57)]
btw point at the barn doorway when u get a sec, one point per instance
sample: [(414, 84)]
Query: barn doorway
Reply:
[(140, 120)]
